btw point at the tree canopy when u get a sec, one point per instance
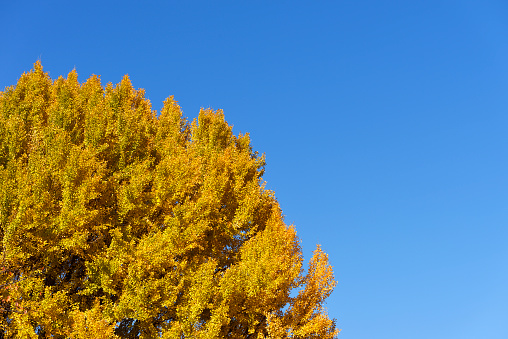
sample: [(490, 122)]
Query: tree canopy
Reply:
[(119, 222)]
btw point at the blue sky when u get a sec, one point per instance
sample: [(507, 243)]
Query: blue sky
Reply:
[(384, 125)]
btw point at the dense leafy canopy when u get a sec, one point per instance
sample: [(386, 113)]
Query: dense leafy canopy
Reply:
[(116, 222)]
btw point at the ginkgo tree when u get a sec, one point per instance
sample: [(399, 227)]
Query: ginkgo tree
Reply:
[(120, 222)]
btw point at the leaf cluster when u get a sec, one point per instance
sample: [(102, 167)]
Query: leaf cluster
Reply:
[(117, 222)]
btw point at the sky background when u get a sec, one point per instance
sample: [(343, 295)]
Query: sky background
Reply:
[(384, 125)]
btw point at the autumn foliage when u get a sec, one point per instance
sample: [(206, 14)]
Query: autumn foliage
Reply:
[(119, 222)]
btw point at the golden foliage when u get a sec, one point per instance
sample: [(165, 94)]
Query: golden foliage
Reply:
[(116, 222)]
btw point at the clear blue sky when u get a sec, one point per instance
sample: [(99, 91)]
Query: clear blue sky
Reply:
[(384, 125)]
